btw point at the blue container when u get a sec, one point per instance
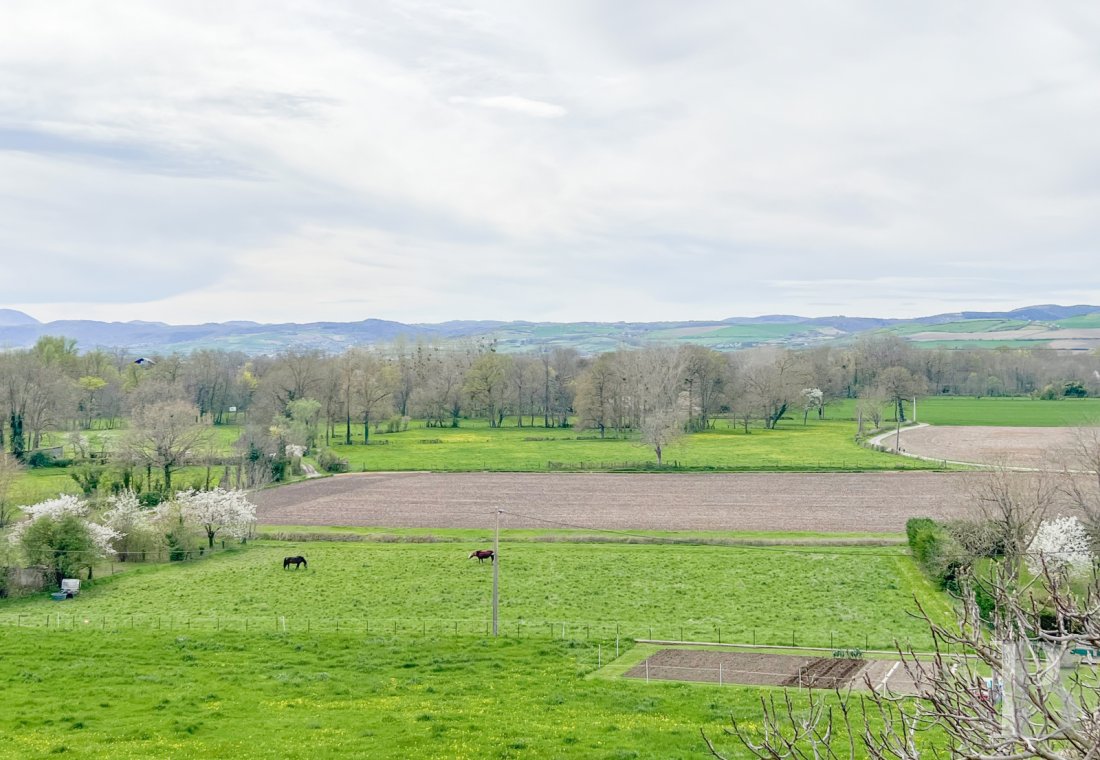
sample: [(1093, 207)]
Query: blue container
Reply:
[(59, 596)]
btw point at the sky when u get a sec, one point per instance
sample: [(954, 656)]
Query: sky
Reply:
[(570, 160)]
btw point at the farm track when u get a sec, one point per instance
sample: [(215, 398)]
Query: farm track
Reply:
[(822, 502)]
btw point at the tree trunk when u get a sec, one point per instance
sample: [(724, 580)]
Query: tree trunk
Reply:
[(167, 478)]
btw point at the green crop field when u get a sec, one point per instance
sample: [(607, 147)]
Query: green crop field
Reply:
[(211, 668), (820, 445), (1085, 320), (996, 411), (963, 326)]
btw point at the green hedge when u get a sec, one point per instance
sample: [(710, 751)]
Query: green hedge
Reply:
[(935, 550)]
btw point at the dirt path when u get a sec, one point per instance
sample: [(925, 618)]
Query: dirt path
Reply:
[(824, 502)]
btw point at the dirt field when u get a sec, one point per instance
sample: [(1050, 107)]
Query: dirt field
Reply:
[(1014, 446), (755, 669), (824, 502)]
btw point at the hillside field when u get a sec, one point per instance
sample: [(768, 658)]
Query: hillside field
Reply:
[(207, 667)]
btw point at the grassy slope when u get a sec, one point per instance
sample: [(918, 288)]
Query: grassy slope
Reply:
[(1085, 320), (109, 690)]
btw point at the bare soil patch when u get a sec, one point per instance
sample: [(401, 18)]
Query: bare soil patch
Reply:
[(757, 669), (1039, 447), (821, 502)]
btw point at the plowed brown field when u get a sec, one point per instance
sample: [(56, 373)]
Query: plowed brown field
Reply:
[(826, 502), (1039, 447)]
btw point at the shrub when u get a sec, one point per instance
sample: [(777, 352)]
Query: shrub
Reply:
[(936, 550), (150, 498), (330, 462), (43, 459)]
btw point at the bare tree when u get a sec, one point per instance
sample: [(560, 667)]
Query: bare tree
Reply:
[(1013, 504), (1081, 482), (10, 470), (165, 435), (997, 686), (661, 428)]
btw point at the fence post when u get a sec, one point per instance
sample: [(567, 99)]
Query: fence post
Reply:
[(754, 637), (719, 634), (647, 670), (616, 647), (719, 672), (599, 655), (681, 633)]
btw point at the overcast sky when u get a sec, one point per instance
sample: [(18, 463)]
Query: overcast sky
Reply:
[(555, 160)]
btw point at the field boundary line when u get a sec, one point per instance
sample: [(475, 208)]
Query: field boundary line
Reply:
[(780, 647)]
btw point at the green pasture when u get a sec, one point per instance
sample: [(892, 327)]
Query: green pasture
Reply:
[(181, 695), (819, 445), (1010, 411), (232, 656), (857, 596)]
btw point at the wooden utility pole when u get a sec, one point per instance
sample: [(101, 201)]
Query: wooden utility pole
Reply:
[(496, 575)]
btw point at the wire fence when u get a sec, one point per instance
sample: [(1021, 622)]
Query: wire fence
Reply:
[(68, 616)]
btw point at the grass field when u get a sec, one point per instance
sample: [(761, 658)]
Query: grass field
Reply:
[(1000, 411), (663, 591), (1085, 320), (94, 686), (820, 445), (963, 326), (162, 694)]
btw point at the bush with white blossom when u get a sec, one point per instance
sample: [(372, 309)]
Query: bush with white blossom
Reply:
[(59, 534), (1063, 545)]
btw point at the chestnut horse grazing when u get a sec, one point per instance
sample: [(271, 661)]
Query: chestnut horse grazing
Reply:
[(296, 561), (482, 555)]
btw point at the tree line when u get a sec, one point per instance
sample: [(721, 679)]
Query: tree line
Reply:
[(306, 397)]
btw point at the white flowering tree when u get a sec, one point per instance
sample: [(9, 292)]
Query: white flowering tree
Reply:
[(812, 399), (58, 534), (1063, 545), (218, 511), (133, 523)]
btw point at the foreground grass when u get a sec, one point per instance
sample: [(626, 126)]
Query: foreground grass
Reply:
[(819, 445), (250, 695), (851, 597)]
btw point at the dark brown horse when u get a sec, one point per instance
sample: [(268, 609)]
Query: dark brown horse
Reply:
[(296, 561), (482, 555)]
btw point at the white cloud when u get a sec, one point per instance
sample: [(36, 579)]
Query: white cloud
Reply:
[(420, 160), (514, 103)]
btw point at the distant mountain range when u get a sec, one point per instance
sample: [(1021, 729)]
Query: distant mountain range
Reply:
[(1045, 326)]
